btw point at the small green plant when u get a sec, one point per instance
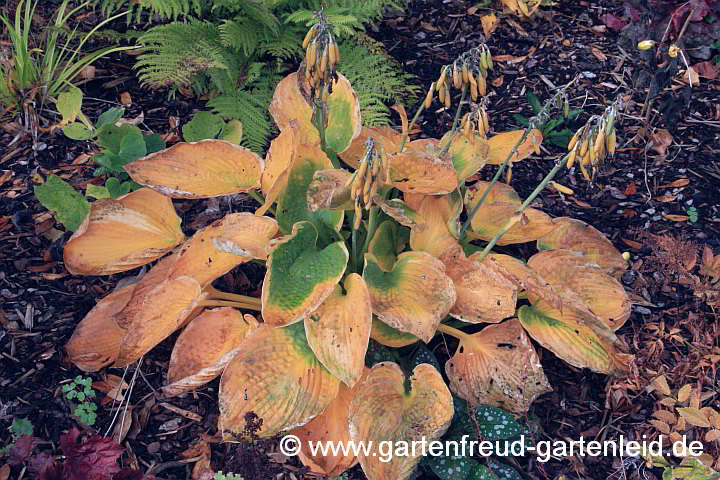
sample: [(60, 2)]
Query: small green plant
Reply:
[(19, 428), (343, 476), (692, 213), (227, 476), (550, 129), (79, 392)]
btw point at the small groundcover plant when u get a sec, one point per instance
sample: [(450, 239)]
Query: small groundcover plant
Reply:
[(360, 232)]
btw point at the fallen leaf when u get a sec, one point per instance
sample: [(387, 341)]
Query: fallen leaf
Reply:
[(678, 218), (661, 140), (666, 198), (498, 81), (125, 98), (631, 189), (694, 417), (88, 73), (708, 69), (690, 76), (681, 182), (613, 21), (598, 54), (489, 23), (661, 385)]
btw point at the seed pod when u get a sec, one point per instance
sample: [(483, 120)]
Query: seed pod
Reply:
[(441, 81), (593, 155), (448, 98), (486, 121), (566, 108), (465, 74), (441, 95), (350, 180), (362, 168), (488, 58), (354, 187), (473, 91), (358, 215), (375, 167), (324, 60), (331, 52), (373, 192), (585, 159), (337, 52), (571, 159), (509, 172), (584, 148), (599, 141), (482, 86), (573, 141), (483, 60), (562, 188), (311, 54), (466, 128), (471, 77), (610, 124), (611, 143), (457, 76), (585, 172), (366, 187), (481, 128), (310, 35), (429, 96)]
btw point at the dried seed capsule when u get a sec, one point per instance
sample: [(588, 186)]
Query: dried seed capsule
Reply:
[(310, 35), (599, 141), (337, 52), (465, 74), (324, 60), (523, 7), (509, 173), (448, 98), (457, 76), (466, 128), (429, 96), (482, 86), (585, 172), (486, 121), (473, 91), (566, 108), (441, 95), (483, 60), (571, 159), (358, 215), (311, 54), (332, 53), (611, 143), (441, 81), (573, 141), (488, 59), (562, 188), (584, 148)]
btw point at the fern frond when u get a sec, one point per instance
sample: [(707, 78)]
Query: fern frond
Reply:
[(241, 34), (388, 83), (165, 8), (286, 46)]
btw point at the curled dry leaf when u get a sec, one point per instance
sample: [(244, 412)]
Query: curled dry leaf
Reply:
[(206, 345), (661, 140), (491, 218), (275, 375), (469, 152), (339, 330), (483, 293), (208, 168), (438, 223), (501, 146), (414, 296), (329, 426), (300, 276), (123, 233), (400, 212), (330, 189), (427, 171), (382, 411), (497, 366)]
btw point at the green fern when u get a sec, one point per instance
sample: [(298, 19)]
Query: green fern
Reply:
[(165, 8)]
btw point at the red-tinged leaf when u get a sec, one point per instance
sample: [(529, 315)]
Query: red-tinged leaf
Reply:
[(22, 450), (708, 69), (613, 21), (631, 189), (91, 458), (44, 467)]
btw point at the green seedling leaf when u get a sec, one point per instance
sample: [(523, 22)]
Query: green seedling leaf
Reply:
[(21, 426), (423, 355), (110, 136), (521, 120), (116, 188), (69, 206), (78, 131), (154, 143), (202, 126), (109, 117), (97, 192), (455, 467), (534, 102), (232, 132), (132, 147), (69, 104)]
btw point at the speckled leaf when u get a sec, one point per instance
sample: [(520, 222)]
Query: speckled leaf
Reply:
[(502, 471), (377, 353), (501, 146), (414, 296), (422, 171), (492, 217), (330, 189), (384, 334), (300, 276), (423, 354), (497, 366), (389, 240), (481, 472), (451, 467), (123, 233), (382, 410), (209, 168), (578, 236), (469, 152), (483, 293), (572, 339), (495, 423), (339, 330), (276, 376)]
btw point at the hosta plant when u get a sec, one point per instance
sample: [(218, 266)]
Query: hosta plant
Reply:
[(360, 234)]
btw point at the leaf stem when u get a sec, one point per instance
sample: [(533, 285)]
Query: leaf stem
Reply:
[(454, 332), (353, 258), (226, 303), (261, 200), (456, 119), (320, 121), (372, 226), (213, 293), (412, 123)]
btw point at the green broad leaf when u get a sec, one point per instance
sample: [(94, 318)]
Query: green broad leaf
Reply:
[(69, 206), (389, 239), (110, 116), (534, 102), (111, 163), (232, 132), (202, 126), (132, 147), (116, 188), (452, 467), (521, 120), (574, 113), (21, 426), (481, 472), (154, 143), (497, 424), (377, 353), (97, 192), (503, 471), (109, 136), (78, 131), (423, 354), (69, 104)]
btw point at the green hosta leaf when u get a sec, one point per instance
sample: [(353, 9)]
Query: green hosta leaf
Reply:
[(455, 467), (497, 424), (69, 206), (96, 191), (232, 132), (78, 131), (423, 355), (116, 188), (132, 147), (109, 117), (69, 104), (202, 126)]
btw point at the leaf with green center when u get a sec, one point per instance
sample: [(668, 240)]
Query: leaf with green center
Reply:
[(389, 240), (497, 366), (384, 411), (300, 276), (414, 296), (578, 236), (570, 337), (276, 376), (384, 334), (69, 206), (339, 330), (469, 152)]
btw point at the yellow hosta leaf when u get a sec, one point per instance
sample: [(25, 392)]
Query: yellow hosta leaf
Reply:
[(300, 276), (603, 294), (164, 310), (414, 296), (123, 233), (501, 192), (580, 237), (694, 417), (221, 246), (427, 171), (497, 366), (276, 376), (491, 218), (329, 426), (439, 222), (291, 101), (330, 189), (501, 146), (96, 341), (569, 337), (208, 168), (206, 345), (382, 411), (339, 330), (483, 294), (401, 212), (386, 335), (387, 136), (278, 157), (154, 277), (469, 152)]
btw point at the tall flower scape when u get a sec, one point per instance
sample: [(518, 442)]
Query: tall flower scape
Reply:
[(360, 232)]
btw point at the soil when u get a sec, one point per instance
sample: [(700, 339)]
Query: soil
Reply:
[(40, 303)]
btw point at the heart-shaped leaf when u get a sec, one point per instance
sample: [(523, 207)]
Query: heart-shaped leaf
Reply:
[(502, 144), (384, 411), (439, 222), (275, 376), (389, 240), (491, 218), (300, 276), (469, 152), (384, 334), (423, 170), (388, 137)]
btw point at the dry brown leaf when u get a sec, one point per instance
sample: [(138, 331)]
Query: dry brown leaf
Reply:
[(694, 417), (661, 384), (712, 435), (684, 393), (598, 54), (126, 99), (661, 140), (489, 24), (665, 416), (677, 218), (680, 182), (660, 425)]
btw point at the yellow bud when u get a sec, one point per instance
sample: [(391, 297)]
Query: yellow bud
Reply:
[(645, 44), (626, 255), (673, 50)]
